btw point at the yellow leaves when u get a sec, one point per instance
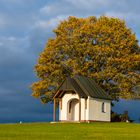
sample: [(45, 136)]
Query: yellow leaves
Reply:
[(37, 87), (112, 50)]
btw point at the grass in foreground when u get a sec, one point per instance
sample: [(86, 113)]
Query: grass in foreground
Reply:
[(59, 131)]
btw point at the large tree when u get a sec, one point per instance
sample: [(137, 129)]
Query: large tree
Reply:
[(101, 48)]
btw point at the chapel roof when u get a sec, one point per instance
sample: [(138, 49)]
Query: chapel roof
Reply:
[(83, 86)]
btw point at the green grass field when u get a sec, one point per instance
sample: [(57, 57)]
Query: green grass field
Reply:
[(64, 131)]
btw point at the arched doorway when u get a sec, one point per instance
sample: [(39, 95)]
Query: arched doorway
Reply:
[(73, 110)]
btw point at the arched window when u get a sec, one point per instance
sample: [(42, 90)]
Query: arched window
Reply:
[(103, 107)]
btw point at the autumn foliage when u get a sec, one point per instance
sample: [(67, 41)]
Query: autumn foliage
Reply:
[(101, 48)]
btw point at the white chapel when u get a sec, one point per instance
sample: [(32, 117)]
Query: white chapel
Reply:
[(81, 99)]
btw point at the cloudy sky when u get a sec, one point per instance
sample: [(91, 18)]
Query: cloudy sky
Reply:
[(25, 26)]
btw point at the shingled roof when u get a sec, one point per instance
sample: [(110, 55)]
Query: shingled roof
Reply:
[(83, 86)]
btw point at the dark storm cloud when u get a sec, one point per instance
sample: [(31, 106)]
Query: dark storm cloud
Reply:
[(132, 106)]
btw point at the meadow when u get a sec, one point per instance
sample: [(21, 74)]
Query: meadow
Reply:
[(70, 131)]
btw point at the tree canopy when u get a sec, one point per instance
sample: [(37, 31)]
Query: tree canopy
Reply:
[(103, 48)]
